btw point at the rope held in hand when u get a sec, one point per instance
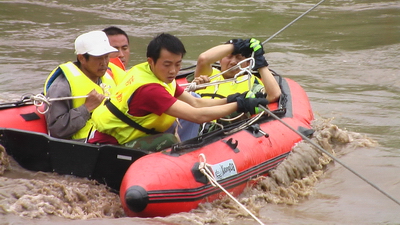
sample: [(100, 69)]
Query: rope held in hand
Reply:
[(39, 99)]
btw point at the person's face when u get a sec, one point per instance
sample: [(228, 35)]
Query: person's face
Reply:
[(120, 42), (95, 66), (230, 61), (167, 66)]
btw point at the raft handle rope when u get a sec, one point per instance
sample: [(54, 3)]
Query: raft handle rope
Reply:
[(39, 100), (204, 168), (248, 123), (203, 126), (329, 154), (24, 100), (243, 70), (231, 119)]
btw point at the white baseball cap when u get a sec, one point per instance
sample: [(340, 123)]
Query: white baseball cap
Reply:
[(93, 43)]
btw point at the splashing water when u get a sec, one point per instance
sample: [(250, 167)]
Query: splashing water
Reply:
[(4, 160), (291, 182)]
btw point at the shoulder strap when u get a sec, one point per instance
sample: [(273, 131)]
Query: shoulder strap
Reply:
[(212, 95), (114, 110)]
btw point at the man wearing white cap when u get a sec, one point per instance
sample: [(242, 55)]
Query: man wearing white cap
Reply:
[(70, 119)]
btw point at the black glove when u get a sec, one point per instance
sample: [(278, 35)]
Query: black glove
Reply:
[(246, 94), (250, 104), (261, 95), (259, 58), (241, 46), (233, 97)]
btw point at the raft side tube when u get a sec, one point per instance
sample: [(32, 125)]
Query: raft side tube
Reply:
[(39, 152)]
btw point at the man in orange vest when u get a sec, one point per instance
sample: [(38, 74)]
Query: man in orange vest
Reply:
[(119, 40)]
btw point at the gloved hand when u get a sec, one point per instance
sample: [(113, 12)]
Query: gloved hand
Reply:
[(241, 46), (233, 97), (250, 104), (246, 94), (261, 95), (259, 58)]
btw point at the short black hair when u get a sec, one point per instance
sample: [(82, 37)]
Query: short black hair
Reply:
[(113, 30), (246, 53), (78, 63), (166, 41)]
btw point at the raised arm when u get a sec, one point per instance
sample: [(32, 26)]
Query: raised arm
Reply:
[(271, 87), (212, 55)]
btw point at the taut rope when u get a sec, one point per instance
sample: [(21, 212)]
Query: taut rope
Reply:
[(40, 100), (204, 168), (289, 24), (329, 154)]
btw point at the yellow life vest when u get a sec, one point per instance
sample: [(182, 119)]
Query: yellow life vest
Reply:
[(118, 74), (106, 122), (225, 89), (80, 85)]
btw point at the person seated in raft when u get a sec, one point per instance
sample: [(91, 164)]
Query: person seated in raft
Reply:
[(149, 101), (229, 55), (118, 60), (119, 39), (70, 119)]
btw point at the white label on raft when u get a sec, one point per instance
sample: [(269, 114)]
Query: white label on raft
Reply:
[(124, 157), (224, 169)]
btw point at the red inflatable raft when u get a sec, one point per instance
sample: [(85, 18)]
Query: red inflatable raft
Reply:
[(22, 115), (170, 181)]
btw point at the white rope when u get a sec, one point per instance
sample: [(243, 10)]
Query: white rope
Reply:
[(39, 99), (243, 70), (329, 154), (232, 119), (246, 124), (289, 24), (239, 64), (203, 167)]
